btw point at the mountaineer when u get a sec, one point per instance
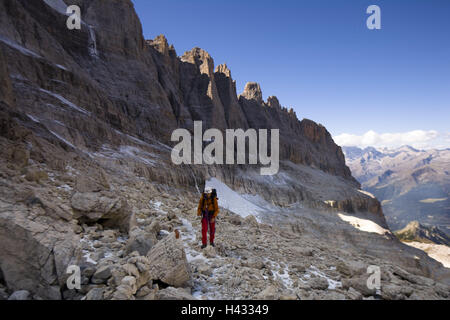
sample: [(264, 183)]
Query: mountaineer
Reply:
[(208, 210)]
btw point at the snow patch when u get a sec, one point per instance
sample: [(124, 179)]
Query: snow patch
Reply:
[(122, 239), (138, 154), (332, 284), (127, 152), (61, 67), (109, 254), (92, 42), (233, 201), (33, 118), (18, 77), (188, 236), (363, 224), (438, 252), (282, 274), (62, 139), (157, 206), (86, 252), (65, 187), (87, 256), (367, 193), (187, 231), (59, 123), (57, 5), (432, 200), (19, 48), (65, 101)]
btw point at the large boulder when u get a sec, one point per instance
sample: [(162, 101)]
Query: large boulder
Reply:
[(101, 275), (140, 241), (126, 290), (318, 283), (93, 180), (111, 211), (35, 250), (168, 262)]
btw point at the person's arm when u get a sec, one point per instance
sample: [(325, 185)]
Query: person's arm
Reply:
[(216, 208), (199, 209)]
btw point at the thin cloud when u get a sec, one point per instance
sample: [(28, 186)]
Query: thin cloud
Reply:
[(420, 139)]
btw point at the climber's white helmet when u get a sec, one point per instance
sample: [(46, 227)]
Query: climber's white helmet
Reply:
[(208, 190)]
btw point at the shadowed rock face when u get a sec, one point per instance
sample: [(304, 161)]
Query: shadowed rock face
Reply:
[(6, 93), (141, 87)]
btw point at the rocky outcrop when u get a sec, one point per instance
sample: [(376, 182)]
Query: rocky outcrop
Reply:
[(111, 212), (140, 241), (200, 90), (252, 91), (153, 81), (35, 249), (226, 87), (168, 262), (415, 231), (94, 180), (6, 92)]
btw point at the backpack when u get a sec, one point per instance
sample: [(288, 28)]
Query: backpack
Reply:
[(213, 194)]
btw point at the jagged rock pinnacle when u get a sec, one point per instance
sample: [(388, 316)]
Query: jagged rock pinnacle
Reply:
[(161, 44), (253, 91), (273, 102), (223, 68), (201, 58)]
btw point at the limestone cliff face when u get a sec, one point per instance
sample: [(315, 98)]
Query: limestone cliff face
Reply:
[(211, 97), (131, 87), (6, 93), (142, 86), (226, 86), (199, 88)]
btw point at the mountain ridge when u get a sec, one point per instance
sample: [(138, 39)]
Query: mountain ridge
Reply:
[(415, 231), (412, 184)]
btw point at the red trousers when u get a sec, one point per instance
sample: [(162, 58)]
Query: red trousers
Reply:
[(212, 230)]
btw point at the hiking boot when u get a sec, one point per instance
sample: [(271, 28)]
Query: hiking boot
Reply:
[(203, 246), (212, 244)]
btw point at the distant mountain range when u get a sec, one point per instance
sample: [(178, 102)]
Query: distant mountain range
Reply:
[(411, 184)]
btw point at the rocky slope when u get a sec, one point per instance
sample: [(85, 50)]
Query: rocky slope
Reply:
[(86, 179), (411, 184)]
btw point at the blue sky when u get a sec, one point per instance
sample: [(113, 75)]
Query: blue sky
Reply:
[(319, 57)]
